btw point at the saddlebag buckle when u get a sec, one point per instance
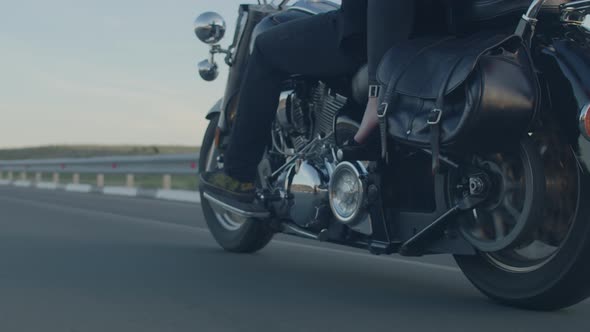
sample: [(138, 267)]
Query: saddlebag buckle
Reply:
[(435, 116)]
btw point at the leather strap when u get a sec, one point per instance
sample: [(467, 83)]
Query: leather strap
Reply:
[(391, 94), (435, 118)]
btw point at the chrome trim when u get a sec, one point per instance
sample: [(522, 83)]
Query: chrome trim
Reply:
[(533, 11), (235, 210), (307, 6), (586, 23), (241, 24), (575, 13), (282, 4), (303, 10), (576, 4), (584, 113), (208, 70), (301, 232), (358, 171)]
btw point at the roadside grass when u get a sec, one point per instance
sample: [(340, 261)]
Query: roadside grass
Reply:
[(179, 182)]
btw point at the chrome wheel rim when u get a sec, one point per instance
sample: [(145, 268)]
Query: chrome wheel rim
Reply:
[(544, 242), (562, 199)]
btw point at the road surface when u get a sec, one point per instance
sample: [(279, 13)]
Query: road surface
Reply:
[(82, 262)]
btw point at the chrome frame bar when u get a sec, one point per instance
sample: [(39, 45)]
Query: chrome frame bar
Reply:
[(582, 4), (533, 11), (283, 4)]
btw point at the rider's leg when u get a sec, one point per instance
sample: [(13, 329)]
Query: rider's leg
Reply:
[(384, 31), (308, 47)]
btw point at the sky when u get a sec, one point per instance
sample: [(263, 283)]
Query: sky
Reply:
[(105, 71)]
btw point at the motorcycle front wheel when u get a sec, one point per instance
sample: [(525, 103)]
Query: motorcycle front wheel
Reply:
[(233, 233), (549, 271)]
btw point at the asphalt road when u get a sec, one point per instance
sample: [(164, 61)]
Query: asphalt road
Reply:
[(73, 262)]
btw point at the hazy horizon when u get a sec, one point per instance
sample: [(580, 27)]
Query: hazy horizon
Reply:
[(105, 72)]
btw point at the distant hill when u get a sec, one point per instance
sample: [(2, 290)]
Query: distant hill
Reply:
[(85, 151)]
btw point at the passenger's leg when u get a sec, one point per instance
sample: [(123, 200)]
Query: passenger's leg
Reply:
[(392, 22)]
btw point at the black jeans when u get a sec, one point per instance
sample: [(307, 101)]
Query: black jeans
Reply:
[(310, 47)]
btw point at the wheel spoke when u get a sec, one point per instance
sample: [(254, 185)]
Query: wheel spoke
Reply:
[(511, 187), (512, 212), (499, 227)]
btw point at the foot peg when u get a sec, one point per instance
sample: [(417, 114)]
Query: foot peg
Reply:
[(241, 209)]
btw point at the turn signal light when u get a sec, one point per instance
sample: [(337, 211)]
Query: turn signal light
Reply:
[(585, 121)]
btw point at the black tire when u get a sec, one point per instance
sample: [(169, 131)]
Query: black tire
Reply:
[(253, 235), (564, 280)]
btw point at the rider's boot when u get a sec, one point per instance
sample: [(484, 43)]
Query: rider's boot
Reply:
[(351, 150), (226, 187)]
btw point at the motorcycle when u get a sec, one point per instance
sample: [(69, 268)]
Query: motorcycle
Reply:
[(517, 221)]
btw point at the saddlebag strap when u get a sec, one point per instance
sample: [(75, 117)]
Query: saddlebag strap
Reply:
[(391, 93), (434, 121), (382, 115)]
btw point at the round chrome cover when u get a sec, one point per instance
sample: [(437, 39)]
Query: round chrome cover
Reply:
[(208, 70), (585, 119), (347, 193), (210, 27)]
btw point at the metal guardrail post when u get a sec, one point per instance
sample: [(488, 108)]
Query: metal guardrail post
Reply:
[(129, 181), (56, 178), (100, 180), (38, 177), (23, 176), (167, 182), (76, 178)]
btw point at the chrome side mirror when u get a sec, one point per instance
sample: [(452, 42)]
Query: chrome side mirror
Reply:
[(210, 28), (208, 70)]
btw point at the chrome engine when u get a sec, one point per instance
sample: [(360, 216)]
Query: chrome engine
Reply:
[(302, 118), (304, 135)]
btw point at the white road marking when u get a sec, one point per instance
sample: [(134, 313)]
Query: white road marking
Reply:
[(179, 195), (120, 191), (79, 188), (46, 185)]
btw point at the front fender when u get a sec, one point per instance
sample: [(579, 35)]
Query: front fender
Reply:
[(565, 65), (215, 109)]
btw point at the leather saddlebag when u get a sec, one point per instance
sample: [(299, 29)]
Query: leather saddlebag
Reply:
[(470, 93)]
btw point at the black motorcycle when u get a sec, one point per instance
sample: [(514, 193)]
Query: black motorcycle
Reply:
[(513, 215)]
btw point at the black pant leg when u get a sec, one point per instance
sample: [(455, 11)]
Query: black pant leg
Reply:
[(390, 23), (308, 47)]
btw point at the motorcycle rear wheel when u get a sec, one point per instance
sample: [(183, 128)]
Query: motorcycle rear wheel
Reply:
[(232, 233), (560, 278)]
